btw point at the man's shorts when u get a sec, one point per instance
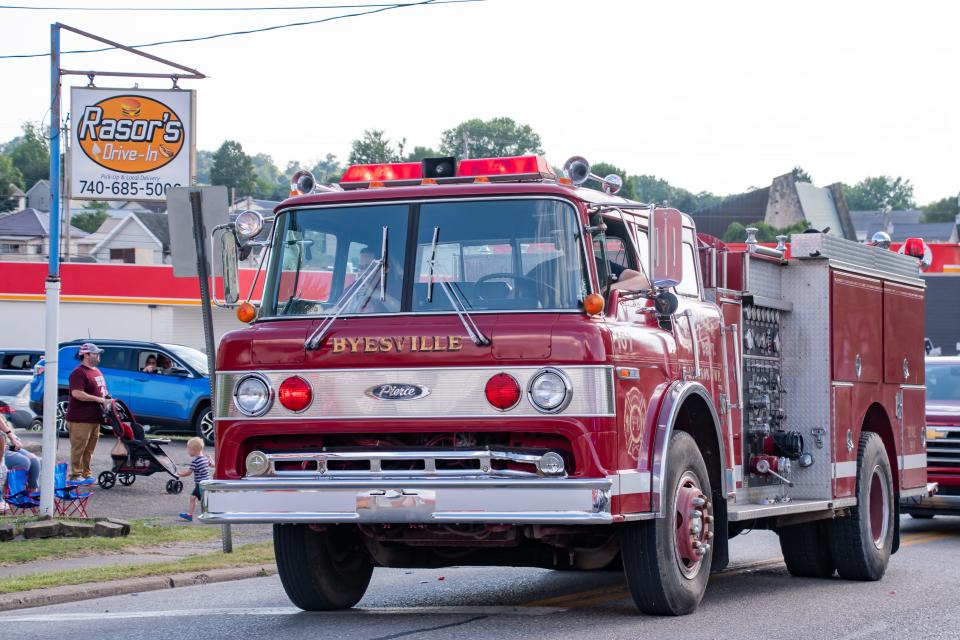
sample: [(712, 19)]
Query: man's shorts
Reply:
[(197, 491)]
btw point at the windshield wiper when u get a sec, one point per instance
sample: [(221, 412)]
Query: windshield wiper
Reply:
[(433, 259), (362, 283), (458, 305)]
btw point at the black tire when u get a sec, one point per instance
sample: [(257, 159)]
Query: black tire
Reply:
[(106, 480), (651, 559), (203, 424), (322, 570), (922, 516), (126, 479), (806, 549), (63, 430), (862, 542), (174, 486)]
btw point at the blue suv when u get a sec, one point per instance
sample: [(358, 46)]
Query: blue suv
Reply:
[(176, 399)]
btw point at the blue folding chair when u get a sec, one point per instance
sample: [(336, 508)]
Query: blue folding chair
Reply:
[(69, 499), (17, 496)]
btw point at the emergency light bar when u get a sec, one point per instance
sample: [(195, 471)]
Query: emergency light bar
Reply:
[(470, 170)]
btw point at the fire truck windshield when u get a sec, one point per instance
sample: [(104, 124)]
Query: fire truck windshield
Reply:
[(499, 254)]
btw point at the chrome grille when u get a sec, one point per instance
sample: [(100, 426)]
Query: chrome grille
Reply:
[(453, 463), (944, 451)]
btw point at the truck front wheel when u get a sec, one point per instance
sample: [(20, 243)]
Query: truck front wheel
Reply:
[(667, 560), (861, 543), (322, 570)]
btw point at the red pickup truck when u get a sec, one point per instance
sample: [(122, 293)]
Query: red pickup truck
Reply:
[(943, 440)]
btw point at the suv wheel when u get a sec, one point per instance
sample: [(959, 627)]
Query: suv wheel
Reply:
[(62, 429), (204, 425)]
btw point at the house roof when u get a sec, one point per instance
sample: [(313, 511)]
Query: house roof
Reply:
[(42, 184), (17, 192), (865, 219), (744, 208), (157, 224), (30, 223)]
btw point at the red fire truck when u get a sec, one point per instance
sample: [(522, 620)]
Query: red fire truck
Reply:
[(482, 363)]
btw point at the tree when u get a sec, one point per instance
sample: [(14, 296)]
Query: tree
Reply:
[(419, 153), (373, 148), (878, 192), (270, 184), (603, 169), (10, 179), (31, 154), (204, 162), (326, 171), (943, 210), (233, 169), (490, 139), (737, 232), (801, 175), (657, 190), (94, 213)]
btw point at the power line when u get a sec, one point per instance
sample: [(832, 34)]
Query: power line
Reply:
[(247, 31), (284, 8)]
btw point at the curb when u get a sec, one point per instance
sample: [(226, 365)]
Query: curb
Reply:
[(77, 592)]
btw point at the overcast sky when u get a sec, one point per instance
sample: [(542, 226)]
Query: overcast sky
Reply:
[(717, 96)]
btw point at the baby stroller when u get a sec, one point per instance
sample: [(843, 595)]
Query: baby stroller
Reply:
[(134, 454)]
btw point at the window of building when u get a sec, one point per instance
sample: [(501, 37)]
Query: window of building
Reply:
[(125, 256)]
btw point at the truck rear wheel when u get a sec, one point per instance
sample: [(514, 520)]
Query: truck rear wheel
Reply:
[(806, 549), (862, 542), (667, 560), (322, 570)]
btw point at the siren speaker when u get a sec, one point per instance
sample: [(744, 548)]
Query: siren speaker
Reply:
[(439, 167)]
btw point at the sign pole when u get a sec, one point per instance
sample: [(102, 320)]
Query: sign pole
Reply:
[(52, 286), (200, 235)]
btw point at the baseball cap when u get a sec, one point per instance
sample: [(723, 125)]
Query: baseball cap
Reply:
[(89, 347)]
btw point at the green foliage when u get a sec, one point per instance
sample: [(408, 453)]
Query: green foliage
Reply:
[(234, 169), (30, 154), (94, 213), (943, 210), (419, 153), (326, 171), (373, 148), (879, 192), (604, 169), (801, 175), (737, 232), (657, 190), (204, 162), (490, 139), (10, 179), (270, 183)]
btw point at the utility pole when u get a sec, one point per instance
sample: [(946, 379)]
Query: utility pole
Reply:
[(466, 145)]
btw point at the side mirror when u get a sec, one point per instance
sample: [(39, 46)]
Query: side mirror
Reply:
[(230, 266), (666, 238), (178, 371)]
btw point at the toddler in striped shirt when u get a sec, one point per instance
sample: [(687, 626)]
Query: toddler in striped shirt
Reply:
[(200, 467)]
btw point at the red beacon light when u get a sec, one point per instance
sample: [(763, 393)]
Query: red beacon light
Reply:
[(914, 247), (383, 172), (295, 394)]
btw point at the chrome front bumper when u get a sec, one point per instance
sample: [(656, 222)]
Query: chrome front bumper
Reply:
[(408, 500), (931, 502)]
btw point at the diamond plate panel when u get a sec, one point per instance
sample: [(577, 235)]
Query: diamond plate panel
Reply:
[(764, 278), (803, 245), (806, 364), (453, 392)]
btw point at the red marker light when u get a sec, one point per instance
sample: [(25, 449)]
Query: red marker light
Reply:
[(295, 394), (381, 172), (503, 391), (504, 166)]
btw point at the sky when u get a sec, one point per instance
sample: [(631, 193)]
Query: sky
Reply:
[(713, 96)]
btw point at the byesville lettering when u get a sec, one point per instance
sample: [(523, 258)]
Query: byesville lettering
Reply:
[(399, 344)]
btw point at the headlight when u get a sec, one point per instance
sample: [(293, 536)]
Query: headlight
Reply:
[(550, 391), (252, 396)]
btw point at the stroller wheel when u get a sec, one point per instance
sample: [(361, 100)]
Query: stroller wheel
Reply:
[(107, 479), (174, 486), (127, 479)]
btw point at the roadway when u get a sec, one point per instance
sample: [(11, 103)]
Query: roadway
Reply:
[(755, 599)]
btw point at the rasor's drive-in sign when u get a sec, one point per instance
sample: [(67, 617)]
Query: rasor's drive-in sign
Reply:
[(130, 144)]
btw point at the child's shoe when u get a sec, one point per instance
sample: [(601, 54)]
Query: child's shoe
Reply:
[(186, 516)]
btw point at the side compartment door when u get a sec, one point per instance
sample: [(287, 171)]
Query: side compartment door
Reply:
[(843, 439), (731, 313), (911, 407), (856, 310), (903, 332)]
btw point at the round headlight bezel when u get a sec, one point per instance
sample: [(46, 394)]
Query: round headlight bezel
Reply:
[(257, 459), (564, 380), (269, 395)]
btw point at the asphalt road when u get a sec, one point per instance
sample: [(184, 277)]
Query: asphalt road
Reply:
[(755, 599)]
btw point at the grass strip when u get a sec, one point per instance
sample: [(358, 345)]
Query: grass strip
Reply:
[(143, 533), (244, 555)]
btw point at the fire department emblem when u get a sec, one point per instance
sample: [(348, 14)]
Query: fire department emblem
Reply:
[(398, 391)]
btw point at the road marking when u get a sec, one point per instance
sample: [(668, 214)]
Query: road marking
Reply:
[(455, 610), (572, 597), (929, 537)]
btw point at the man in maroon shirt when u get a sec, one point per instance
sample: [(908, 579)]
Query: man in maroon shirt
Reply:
[(88, 394)]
